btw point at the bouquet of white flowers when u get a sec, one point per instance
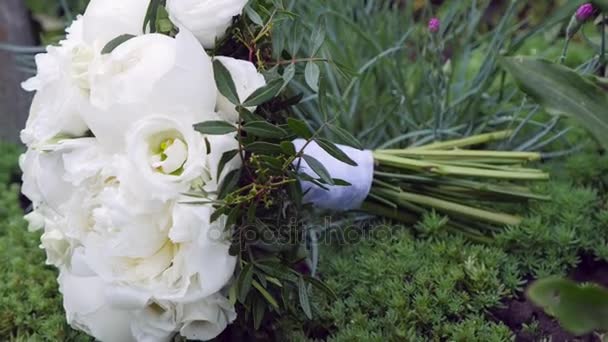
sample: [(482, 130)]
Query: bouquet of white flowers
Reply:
[(170, 185)]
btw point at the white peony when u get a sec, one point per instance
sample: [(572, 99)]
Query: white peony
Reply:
[(207, 19), (51, 174), (158, 293), (246, 80), (105, 20), (149, 74), (61, 90)]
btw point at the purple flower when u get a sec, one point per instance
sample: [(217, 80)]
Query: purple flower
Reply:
[(584, 12), (434, 25)]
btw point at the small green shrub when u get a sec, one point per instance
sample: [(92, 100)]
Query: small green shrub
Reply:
[(436, 286)]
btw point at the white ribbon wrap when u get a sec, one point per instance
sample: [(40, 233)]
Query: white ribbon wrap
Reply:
[(341, 198)]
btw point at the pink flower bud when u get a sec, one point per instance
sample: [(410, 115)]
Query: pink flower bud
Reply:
[(434, 25), (584, 12)]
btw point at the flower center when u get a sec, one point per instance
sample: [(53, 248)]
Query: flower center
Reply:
[(172, 155)]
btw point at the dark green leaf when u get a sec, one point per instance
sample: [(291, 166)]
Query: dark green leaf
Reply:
[(341, 182), (318, 182), (580, 309), (264, 129), (345, 137), (248, 116), (226, 157), (244, 282), (215, 127), (114, 43), (217, 214), (300, 128), (288, 148), (319, 169), (259, 309), (335, 152), (224, 82), (264, 94), (229, 184), (261, 147), (561, 90), (151, 14), (311, 75), (304, 300), (265, 294)]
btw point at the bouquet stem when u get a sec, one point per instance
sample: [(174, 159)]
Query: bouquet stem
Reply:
[(465, 184)]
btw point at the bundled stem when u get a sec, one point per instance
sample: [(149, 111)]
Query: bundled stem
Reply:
[(450, 178)]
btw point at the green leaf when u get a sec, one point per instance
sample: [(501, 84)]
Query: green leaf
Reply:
[(114, 43), (254, 16), (304, 300), (217, 214), (229, 184), (264, 129), (288, 148), (259, 309), (163, 23), (247, 116), (226, 157), (335, 152), (345, 137), (261, 147), (300, 128), (244, 282), (264, 94), (218, 127), (224, 82), (319, 169), (318, 38), (341, 182), (312, 72), (266, 294), (151, 14), (580, 309), (288, 74), (562, 91)]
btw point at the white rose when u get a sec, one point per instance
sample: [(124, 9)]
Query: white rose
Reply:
[(61, 90), (149, 74), (164, 156), (207, 19), (246, 80), (105, 20)]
